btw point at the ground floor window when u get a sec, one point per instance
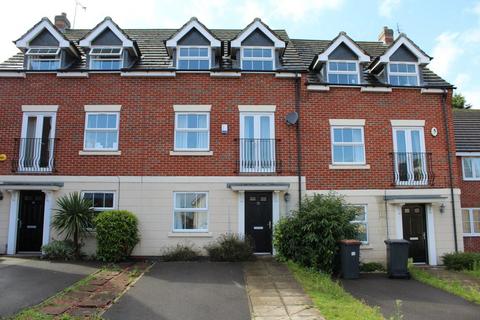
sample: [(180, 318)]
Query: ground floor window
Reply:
[(190, 211), (361, 222), (100, 200), (471, 221)]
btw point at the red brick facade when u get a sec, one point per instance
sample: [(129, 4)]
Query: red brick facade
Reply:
[(147, 125)]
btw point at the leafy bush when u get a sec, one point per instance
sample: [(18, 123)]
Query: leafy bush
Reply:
[(230, 247), (371, 267), (310, 236), (181, 252), (461, 260), (117, 235), (59, 250)]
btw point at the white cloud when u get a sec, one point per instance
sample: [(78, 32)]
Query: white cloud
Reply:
[(386, 7), (300, 9), (447, 49)]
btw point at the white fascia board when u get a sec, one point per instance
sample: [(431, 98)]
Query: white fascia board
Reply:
[(12, 75), (39, 108), (407, 123), (346, 122), (376, 89), (72, 74), (317, 87), (193, 24), (422, 58), (103, 108), (148, 74), (45, 24), (86, 42), (431, 91), (277, 43), (192, 107), (257, 108), (362, 57), (468, 154)]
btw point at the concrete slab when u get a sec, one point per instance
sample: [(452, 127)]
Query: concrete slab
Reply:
[(27, 282), (419, 301), (187, 291)]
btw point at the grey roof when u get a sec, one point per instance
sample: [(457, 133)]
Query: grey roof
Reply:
[(467, 130), (298, 55)]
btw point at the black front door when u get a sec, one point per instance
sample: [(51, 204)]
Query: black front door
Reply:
[(258, 220), (30, 221), (414, 230)]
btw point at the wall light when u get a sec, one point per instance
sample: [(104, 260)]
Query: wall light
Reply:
[(287, 197)]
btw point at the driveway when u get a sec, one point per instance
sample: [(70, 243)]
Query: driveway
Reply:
[(419, 301), (187, 291), (27, 282)]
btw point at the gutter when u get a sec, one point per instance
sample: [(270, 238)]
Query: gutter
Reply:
[(299, 141), (450, 171)]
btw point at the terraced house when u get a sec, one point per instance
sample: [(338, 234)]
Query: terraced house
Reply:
[(202, 132)]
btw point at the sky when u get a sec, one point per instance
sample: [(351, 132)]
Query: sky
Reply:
[(447, 30)]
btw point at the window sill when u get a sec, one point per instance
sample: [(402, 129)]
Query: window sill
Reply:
[(471, 235), (190, 235), (349, 167), (191, 153), (366, 246), (99, 153)]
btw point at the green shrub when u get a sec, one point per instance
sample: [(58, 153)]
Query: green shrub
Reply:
[(230, 247), (181, 252), (117, 235), (461, 260), (59, 250), (371, 267), (310, 236)]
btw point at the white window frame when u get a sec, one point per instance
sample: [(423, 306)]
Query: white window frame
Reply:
[(470, 215), (175, 209), (52, 57), (104, 192), (474, 177), (408, 146), (191, 130), (333, 143), (114, 57), (243, 58), (208, 58), (416, 74), (117, 129), (357, 73), (365, 221)]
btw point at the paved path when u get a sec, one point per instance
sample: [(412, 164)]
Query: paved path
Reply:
[(274, 293), (186, 291), (419, 301), (27, 282)]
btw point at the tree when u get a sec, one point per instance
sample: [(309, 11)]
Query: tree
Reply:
[(73, 218), (459, 102)]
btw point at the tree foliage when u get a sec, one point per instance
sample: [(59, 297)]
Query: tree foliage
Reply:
[(459, 101)]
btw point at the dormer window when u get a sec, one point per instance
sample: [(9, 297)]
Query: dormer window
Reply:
[(342, 72), (46, 58), (403, 74), (193, 58), (106, 58), (258, 58)]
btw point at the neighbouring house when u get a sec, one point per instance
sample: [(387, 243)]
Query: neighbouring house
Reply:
[(467, 140), (202, 132)]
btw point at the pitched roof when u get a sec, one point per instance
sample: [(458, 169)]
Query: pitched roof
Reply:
[(467, 130)]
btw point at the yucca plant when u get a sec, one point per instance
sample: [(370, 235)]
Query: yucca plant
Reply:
[(73, 218)]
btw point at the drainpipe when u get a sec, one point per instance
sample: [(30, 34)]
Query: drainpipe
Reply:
[(450, 171), (299, 141)]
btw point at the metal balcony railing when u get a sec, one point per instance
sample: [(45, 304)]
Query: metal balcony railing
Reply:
[(258, 156), (412, 168), (34, 155)]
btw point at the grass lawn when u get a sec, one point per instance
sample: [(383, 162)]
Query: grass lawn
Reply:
[(454, 287), (330, 298), (474, 273)]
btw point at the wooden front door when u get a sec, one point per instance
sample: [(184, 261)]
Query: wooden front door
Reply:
[(258, 220), (415, 231), (30, 221)]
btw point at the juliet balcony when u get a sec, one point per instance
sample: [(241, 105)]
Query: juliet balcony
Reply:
[(258, 156), (34, 155), (412, 169)]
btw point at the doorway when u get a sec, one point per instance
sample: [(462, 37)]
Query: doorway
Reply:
[(30, 221), (415, 231), (258, 220)]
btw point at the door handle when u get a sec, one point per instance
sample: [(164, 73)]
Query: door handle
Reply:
[(270, 225), (19, 224)]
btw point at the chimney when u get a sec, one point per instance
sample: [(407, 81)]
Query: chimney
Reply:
[(386, 36), (61, 22)]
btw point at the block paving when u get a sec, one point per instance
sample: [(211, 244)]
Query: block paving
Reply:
[(274, 294)]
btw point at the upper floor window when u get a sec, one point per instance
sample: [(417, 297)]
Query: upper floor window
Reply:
[(192, 131), (193, 58), (257, 58), (101, 131), (403, 74), (348, 145), (106, 58), (343, 72), (471, 221), (471, 168), (43, 58)]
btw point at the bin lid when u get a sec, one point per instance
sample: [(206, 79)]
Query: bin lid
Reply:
[(350, 242), (399, 241)]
